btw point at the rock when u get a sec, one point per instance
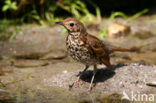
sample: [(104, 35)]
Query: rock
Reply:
[(148, 45), (5, 97), (117, 30), (59, 54), (29, 55), (143, 34), (29, 63), (33, 43), (5, 69), (127, 78), (148, 58)]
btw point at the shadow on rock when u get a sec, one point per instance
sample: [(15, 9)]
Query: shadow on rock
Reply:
[(102, 74)]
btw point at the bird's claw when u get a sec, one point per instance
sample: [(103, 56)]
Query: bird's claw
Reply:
[(77, 81)]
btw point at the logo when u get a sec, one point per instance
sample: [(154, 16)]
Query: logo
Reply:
[(125, 96), (138, 97)]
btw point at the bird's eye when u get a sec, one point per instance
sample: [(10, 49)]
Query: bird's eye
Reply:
[(71, 24)]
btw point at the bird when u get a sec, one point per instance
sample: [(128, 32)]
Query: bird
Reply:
[(86, 48)]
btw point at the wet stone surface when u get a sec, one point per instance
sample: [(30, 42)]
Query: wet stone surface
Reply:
[(125, 78)]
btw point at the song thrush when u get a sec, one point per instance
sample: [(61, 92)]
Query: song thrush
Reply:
[(86, 48)]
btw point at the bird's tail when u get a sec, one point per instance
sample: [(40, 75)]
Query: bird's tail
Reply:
[(113, 48)]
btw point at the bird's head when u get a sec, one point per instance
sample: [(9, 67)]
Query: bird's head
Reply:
[(73, 25)]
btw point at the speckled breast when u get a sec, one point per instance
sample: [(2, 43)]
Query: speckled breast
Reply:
[(78, 51)]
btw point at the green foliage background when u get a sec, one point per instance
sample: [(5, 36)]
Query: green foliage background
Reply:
[(46, 12)]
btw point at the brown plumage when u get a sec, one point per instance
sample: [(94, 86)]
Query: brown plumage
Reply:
[(86, 48)]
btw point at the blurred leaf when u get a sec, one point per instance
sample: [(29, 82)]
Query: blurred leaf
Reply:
[(7, 34), (7, 1), (137, 15), (12, 36), (102, 33), (36, 17), (98, 14), (14, 6), (49, 17), (5, 8), (74, 11), (17, 30), (115, 14), (9, 6)]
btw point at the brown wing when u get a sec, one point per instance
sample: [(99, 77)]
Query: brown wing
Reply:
[(99, 49), (97, 46)]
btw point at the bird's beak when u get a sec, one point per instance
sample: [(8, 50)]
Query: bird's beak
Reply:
[(59, 22)]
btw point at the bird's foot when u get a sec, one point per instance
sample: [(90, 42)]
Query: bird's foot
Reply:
[(89, 89), (77, 81)]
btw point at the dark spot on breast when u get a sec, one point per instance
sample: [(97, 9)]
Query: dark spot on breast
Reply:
[(76, 49)]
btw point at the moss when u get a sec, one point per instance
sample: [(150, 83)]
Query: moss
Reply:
[(113, 98)]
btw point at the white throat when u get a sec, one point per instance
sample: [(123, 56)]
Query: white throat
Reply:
[(74, 33)]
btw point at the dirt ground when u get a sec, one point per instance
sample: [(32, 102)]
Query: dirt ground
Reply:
[(35, 68)]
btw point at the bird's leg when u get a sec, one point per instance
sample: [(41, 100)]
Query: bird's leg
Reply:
[(94, 72), (86, 67), (78, 79)]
